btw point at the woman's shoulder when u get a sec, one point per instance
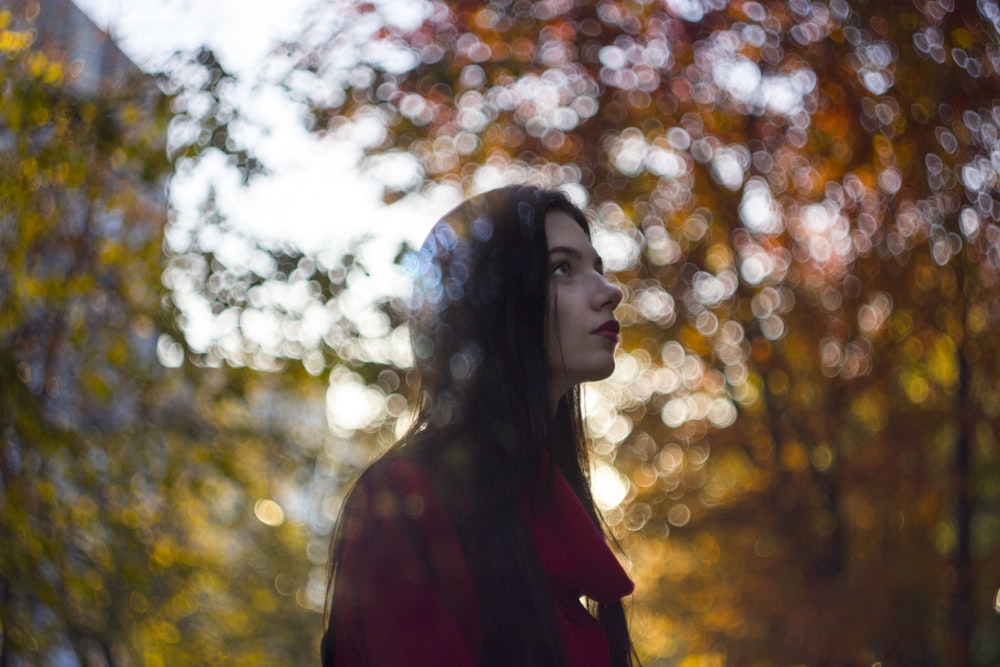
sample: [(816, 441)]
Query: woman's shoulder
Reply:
[(392, 469), (397, 488)]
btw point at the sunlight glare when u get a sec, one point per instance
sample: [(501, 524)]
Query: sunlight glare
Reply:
[(269, 512), (608, 485)]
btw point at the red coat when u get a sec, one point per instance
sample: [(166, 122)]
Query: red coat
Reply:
[(404, 594)]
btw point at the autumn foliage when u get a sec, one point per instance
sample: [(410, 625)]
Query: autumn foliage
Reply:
[(137, 525), (800, 200)]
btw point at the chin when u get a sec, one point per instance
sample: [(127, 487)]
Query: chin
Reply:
[(605, 375)]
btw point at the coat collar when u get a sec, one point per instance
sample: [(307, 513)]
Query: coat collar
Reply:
[(573, 553)]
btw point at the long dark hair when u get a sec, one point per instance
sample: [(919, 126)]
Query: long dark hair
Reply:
[(483, 425)]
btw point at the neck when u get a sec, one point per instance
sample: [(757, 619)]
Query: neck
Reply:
[(554, 401), (557, 390)]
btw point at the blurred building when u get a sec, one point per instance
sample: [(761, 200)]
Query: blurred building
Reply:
[(64, 32), (122, 200)]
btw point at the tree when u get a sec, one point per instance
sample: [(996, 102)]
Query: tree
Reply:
[(151, 502), (800, 201)]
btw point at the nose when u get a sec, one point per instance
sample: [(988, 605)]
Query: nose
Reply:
[(609, 294)]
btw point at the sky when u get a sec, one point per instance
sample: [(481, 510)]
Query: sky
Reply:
[(242, 32), (314, 195)]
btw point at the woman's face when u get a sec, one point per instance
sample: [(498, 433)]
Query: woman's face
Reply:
[(581, 332)]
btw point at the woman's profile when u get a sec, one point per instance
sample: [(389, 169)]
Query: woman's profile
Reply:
[(474, 540)]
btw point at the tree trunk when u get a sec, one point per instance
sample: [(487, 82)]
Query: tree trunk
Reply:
[(963, 611)]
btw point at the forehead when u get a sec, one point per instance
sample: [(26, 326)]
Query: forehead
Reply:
[(561, 230)]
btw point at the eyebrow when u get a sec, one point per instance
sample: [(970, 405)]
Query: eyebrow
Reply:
[(576, 254)]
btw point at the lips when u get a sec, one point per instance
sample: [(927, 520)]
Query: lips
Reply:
[(609, 330)]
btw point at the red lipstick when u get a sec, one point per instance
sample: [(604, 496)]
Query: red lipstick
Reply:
[(609, 330)]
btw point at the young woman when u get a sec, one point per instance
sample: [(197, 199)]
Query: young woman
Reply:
[(475, 540)]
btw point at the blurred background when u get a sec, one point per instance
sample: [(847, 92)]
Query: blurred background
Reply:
[(204, 213)]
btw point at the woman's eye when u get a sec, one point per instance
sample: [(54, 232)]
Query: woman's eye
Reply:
[(560, 269)]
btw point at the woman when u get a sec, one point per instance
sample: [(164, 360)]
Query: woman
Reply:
[(474, 539)]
